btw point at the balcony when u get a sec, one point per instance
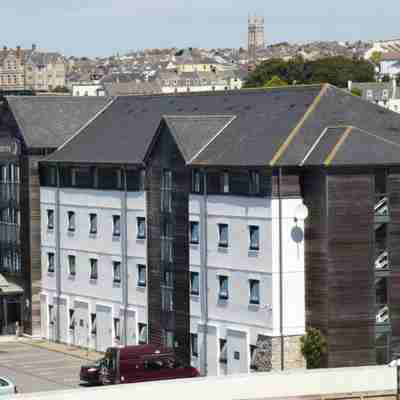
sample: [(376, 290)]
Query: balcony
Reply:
[(381, 210), (382, 314), (382, 261)]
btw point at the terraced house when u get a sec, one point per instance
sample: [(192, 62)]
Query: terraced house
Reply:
[(224, 224)]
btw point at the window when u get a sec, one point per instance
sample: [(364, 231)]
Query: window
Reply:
[(72, 265), (194, 283), (225, 182), (370, 94), (254, 232), (116, 225), (254, 286), (51, 314), (93, 324), (194, 232), (50, 219), (196, 179), (223, 235), (166, 191), (141, 275), (168, 338), (117, 271), (117, 327), (50, 262), (72, 321), (223, 287), (223, 351), (142, 333), (254, 182), (141, 227), (194, 345), (93, 269), (93, 224), (71, 221)]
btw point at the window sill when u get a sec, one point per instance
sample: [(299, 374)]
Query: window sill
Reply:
[(51, 273), (72, 277), (254, 307), (140, 238), (195, 297), (92, 234), (93, 281), (116, 238), (116, 284), (223, 249), (71, 233), (194, 244), (50, 230), (141, 286), (93, 333)]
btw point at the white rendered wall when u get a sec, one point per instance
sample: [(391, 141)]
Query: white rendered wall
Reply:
[(236, 315)]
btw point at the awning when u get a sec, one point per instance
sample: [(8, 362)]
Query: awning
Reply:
[(7, 287)]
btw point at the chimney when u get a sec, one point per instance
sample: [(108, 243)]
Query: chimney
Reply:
[(4, 48), (18, 51), (33, 47)]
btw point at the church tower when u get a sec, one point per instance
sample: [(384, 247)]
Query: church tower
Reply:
[(255, 36)]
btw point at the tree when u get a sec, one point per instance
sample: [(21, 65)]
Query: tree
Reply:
[(60, 89), (335, 70), (275, 81), (313, 347), (376, 57), (356, 92)]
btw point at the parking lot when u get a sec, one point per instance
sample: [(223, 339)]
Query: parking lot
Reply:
[(36, 369)]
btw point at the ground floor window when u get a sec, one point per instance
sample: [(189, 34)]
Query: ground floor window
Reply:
[(383, 345)]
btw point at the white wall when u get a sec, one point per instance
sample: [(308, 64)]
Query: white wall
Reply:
[(237, 262)]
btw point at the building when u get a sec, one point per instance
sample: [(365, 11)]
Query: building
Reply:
[(126, 257), (89, 88), (30, 69), (386, 94), (390, 64), (256, 38), (30, 128)]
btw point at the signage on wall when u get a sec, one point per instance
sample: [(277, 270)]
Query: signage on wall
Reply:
[(8, 146)]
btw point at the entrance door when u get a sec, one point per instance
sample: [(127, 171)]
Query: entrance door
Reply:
[(43, 317), (130, 328), (81, 324), (104, 327)]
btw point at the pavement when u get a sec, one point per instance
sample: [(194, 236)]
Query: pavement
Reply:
[(37, 365)]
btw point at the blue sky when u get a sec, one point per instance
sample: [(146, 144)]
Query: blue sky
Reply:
[(104, 27)]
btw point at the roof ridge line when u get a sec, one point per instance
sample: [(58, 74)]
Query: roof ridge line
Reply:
[(388, 141), (283, 147), (233, 117), (87, 123)]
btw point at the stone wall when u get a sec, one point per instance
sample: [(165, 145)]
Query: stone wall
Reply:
[(267, 356)]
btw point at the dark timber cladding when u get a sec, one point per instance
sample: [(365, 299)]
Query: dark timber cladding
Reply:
[(164, 316), (340, 292), (394, 251)]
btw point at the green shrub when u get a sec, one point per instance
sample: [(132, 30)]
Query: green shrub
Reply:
[(313, 347)]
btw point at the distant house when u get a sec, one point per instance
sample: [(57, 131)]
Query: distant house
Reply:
[(385, 94), (390, 63)]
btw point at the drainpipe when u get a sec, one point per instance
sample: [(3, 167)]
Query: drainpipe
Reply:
[(204, 272), (280, 269), (58, 255), (124, 251)]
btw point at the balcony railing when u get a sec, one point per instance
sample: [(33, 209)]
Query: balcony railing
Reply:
[(381, 209), (382, 260), (382, 314)]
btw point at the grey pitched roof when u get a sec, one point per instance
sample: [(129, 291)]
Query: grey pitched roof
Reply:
[(125, 130), (337, 107), (193, 132), (289, 126), (49, 121)]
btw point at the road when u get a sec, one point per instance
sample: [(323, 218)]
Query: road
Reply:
[(35, 369)]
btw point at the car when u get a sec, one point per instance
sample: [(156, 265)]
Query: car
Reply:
[(7, 386), (131, 364)]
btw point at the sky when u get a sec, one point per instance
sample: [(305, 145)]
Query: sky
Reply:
[(106, 27)]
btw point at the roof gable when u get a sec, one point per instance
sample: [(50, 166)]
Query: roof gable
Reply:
[(48, 121)]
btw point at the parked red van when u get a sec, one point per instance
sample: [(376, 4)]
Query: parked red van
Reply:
[(131, 364)]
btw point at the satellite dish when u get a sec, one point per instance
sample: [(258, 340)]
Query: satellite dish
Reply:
[(301, 212)]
